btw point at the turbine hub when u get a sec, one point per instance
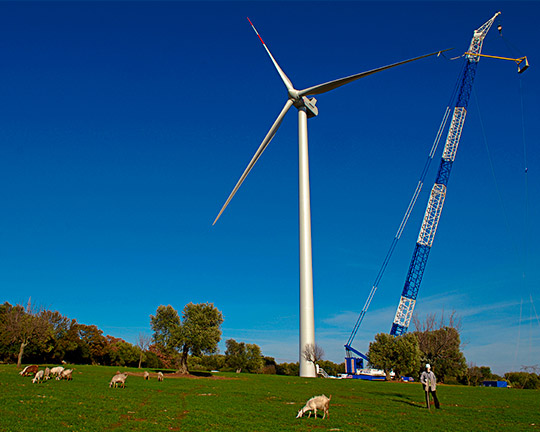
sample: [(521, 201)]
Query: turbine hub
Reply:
[(293, 94)]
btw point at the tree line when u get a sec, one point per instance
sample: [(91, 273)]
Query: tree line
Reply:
[(184, 343), (38, 335), (189, 342)]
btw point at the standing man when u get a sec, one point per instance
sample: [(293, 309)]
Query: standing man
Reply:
[(429, 381)]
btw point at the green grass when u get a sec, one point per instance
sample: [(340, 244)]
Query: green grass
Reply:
[(242, 402)]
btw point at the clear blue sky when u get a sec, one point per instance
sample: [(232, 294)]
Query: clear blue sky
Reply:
[(126, 125)]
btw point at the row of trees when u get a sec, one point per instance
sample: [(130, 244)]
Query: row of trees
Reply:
[(43, 336), (191, 342)]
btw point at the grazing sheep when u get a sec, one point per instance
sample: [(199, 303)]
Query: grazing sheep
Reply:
[(38, 377), (146, 375), (30, 369), (46, 374), (118, 379), (316, 402), (56, 371), (65, 374), (160, 376)]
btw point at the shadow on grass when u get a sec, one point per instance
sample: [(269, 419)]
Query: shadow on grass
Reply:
[(411, 403), (201, 374), (407, 400)]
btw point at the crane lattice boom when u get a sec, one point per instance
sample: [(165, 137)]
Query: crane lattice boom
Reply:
[(434, 208)]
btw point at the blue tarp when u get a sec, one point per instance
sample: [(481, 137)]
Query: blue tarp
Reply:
[(495, 384)]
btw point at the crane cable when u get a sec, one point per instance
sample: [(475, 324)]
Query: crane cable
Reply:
[(512, 48), (409, 209), (497, 188), (524, 255)]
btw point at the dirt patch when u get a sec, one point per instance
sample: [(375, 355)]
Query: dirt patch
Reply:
[(180, 375), (192, 376), (352, 397)]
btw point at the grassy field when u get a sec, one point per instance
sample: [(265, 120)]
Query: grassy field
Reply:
[(242, 402)]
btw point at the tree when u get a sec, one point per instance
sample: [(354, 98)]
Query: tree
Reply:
[(69, 346), (269, 365), (400, 354), (255, 360), (523, 380), (143, 342), (440, 344), (240, 355), (94, 345), (59, 327), (475, 375), (235, 355), (198, 332), (122, 353), (313, 353), (21, 326), (408, 355), (289, 369), (381, 353)]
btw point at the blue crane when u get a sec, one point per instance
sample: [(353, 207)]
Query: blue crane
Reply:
[(436, 201), (434, 208)]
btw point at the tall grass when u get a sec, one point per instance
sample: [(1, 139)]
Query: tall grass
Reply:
[(242, 402)]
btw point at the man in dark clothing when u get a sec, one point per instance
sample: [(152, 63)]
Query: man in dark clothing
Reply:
[(429, 381)]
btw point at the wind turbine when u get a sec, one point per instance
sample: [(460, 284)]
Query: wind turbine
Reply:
[(306, 109)]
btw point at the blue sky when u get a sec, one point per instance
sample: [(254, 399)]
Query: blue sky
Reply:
[(126, 125)]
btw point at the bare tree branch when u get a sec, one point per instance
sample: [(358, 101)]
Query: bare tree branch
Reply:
[(313, 353)]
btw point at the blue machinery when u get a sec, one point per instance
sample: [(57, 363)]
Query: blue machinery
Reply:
[(435, 205)]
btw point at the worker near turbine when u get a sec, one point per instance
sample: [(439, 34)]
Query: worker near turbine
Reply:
[(429, 381)]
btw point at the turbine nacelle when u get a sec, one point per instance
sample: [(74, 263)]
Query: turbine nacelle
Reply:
[(308, 104)]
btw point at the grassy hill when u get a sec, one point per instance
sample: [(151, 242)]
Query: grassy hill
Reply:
[(243, 402)]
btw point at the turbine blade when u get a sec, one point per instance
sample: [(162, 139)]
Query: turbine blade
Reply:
[(282, 74), (331, 85), (257, 154)]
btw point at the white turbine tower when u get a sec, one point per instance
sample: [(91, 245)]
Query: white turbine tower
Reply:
[(306, 109)]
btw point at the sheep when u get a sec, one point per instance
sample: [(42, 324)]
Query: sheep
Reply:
[(160, 376), (118, 379), (38, 377), (146, 375), (316, 402), (46, 374), (30, 369), (65, 374), (56, 371)]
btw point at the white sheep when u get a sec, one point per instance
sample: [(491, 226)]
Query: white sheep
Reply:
[(56, 371), (46, 374), (65, 374), (160, 376), (146, 375), (38, 377), (316, 402), (118, 379)]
